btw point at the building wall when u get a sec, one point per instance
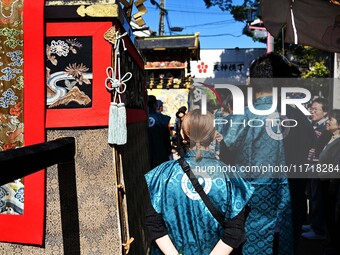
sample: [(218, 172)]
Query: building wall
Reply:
[(218, 66)]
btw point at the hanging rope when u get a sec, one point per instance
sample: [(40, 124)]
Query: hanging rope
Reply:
[(117, 133)]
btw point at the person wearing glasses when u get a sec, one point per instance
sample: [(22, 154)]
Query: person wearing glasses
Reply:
[(329, 159), (315, 230)]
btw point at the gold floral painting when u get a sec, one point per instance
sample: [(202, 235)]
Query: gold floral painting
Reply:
[(69, 72)]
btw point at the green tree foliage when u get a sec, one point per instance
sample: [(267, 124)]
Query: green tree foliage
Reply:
[(313, 63), (317, 69), (239, 11)]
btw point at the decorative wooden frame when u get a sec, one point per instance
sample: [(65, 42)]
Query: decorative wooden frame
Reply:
[(29, 227), (97, 114)]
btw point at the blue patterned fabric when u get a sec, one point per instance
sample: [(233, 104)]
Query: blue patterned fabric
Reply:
[(190, 225), (12, 198), (270, 203)]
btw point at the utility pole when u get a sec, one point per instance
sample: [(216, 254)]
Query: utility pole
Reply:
[(161, 17)]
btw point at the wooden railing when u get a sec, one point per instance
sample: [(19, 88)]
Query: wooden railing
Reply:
[(18, 163)]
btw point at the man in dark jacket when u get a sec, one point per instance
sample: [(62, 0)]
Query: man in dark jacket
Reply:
[(159, 134)]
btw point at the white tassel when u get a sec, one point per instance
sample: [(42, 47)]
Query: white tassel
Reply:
[(113, 116), (121, 132), (117, 131)]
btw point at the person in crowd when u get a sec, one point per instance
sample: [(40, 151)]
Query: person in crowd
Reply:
[(227, 105), (179, 117), (222, 117), (177, 141), (166, 119), (160, 109), (159, 106), (223, 113), (316, 229), (159, 134), (297, 142), (330, 184), (178, 221), (270, 208)]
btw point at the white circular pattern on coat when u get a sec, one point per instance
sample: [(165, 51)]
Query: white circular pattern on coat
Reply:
[(203, 178), (274, 128), (152, 121)]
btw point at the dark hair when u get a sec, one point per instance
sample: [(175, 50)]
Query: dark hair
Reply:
[(270, 65), (182, 109), (152, 101), (159, 103), (212, 106), (335, 113), (228, 102), (324, 102)]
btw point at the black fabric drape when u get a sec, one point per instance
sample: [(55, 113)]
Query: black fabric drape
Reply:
[(317, 22)]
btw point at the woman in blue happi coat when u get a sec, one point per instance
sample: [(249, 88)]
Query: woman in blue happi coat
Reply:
[(177, 220)]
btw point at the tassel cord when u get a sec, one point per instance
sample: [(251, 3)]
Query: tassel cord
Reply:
[(117, 84), (114, 75)]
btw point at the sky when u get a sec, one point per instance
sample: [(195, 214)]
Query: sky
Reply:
[(218, 29)]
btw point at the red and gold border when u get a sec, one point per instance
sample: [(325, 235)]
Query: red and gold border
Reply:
[(97, 115)]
